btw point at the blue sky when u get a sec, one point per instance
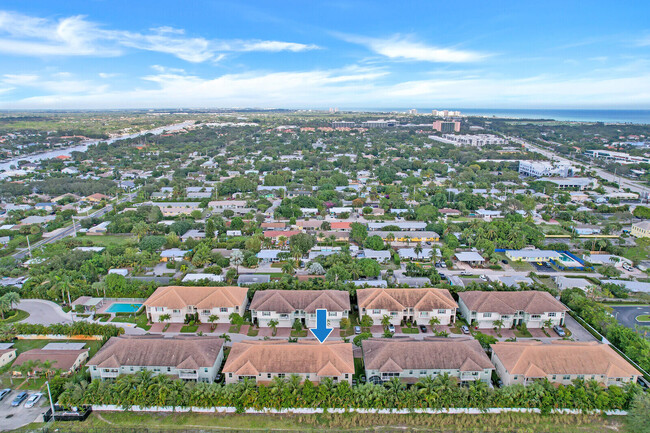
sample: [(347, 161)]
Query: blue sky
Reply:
[(340, 53)]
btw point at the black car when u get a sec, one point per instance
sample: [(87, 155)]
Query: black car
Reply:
[(504, 261), (423, 329)]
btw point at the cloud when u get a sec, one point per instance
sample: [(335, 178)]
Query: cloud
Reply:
[(405, 48), (346, 87), (25, 35)]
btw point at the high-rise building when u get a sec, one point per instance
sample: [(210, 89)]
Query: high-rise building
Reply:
[(446, 126)]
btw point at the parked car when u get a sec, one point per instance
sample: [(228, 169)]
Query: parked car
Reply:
[(423, 329), (19, 399), (464, 273), (357, 329), (4, 393), (504, 261), (33, 399), (559, 331), (391, 328), (443, 265), (465, 329), (483, 277)]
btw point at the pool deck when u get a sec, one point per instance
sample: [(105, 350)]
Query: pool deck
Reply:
[(108, 302)]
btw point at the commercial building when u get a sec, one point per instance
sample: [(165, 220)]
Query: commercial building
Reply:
[(530, 307), (475, 140), (561, 362), (579, 183), (262, 361), (410, 360), (188, 358), (380, 123), (409, 305), (641, 229), (446, 126), (620, 157), (343, 124), (543, 168)]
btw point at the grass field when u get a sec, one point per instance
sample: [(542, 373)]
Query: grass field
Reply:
[(483, 423), (15, 315), (643, 318), (110, 240)]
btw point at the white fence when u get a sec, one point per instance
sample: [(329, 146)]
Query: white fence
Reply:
[(457, 410)]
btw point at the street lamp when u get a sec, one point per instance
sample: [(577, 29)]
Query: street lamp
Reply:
[(49, 394)]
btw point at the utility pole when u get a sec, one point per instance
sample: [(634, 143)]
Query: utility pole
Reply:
[(29, 247), (49, 394)]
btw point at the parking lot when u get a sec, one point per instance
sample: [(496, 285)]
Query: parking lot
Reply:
[(544, 267), (626, 315), (14, 417)]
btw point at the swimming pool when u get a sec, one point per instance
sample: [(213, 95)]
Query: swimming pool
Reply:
[(119, 307)]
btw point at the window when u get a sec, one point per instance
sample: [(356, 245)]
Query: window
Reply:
[(551, 314), (423, 372), (205, 370), (205, 312), (389, 374), (487, 314), (554, 376), (281, 375), (566, 377), (268, 375), (332, 313), (424, 314), (376, 311), (176, 311), (223, 310), (266, 313), (442, 311), (393, 313), (535, 317)]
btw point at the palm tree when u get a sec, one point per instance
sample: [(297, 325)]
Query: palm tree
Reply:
[(5, 306), (434, 321), (418, 250), (164, 317), (282, 240), (273, 324), (213, 318), (288, 268), (385, 321), (498, 324), (236, 258), (548, 323), (13, 298), (390, 237), (226, 337)]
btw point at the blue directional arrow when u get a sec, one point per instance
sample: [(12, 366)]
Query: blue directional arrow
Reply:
[(321, 331)]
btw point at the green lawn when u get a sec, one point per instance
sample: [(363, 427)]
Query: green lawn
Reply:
[(189, 328), (520, 334), (15, 315), (234, 329), (110, 240), (301, 333), (639, 252), (359, 367), (252, 332), (643, 318), (487, 423), (407, 330), (521, 266)]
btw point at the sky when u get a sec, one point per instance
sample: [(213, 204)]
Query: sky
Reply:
[(111, 54)]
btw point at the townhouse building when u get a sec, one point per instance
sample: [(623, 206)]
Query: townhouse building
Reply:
[(180, 301), (409, 305)]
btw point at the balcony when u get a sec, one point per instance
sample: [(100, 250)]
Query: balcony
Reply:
[(188, 374), (109, 374)]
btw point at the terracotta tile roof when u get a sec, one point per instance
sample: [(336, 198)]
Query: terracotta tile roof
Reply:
[(310, 224), (278, 225), (397, 354), (249, 358), (288, 301), (426, 299), (535, 359), (61, 359), (529, 301), (201, 297), (340, 225), (181, 352), (278, 233)]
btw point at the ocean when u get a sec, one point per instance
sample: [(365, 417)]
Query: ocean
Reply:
[(607, 116)]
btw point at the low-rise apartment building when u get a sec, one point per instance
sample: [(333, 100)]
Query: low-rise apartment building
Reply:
[(409, 305), (287, 306), (179, 301), (641, 229), (410, 360), (188, 358), (262, 361), (533, 308), (561, 362)]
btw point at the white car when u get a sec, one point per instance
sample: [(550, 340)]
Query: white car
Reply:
[(483, 277), (33, 399)]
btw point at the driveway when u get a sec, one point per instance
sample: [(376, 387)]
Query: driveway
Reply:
[(14, 417), (578, 332), (43, 312), (626, 315)]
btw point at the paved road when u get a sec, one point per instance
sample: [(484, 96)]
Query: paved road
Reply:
[(15, 417), (634, 186), (43, 312), (578, 333), (69, 231), (626, 315)]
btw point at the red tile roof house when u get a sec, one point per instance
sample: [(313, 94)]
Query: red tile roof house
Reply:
[(344, 226), (68, 361), (276, 234), (262, 361)]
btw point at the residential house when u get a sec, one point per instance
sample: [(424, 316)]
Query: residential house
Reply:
[(287, 306), (531, 307), (411, 360), (472, 258), (561, 362), (269, 256), (67, 361), (172, 209), (188, 358), (533, 255), (172, 254), (249, 279), (425, 254), (96, 198), (410, 305), (179, 301), (7, 353), (262, 361), (381, 256), (641, 229), (406, 236), (564, 283)]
